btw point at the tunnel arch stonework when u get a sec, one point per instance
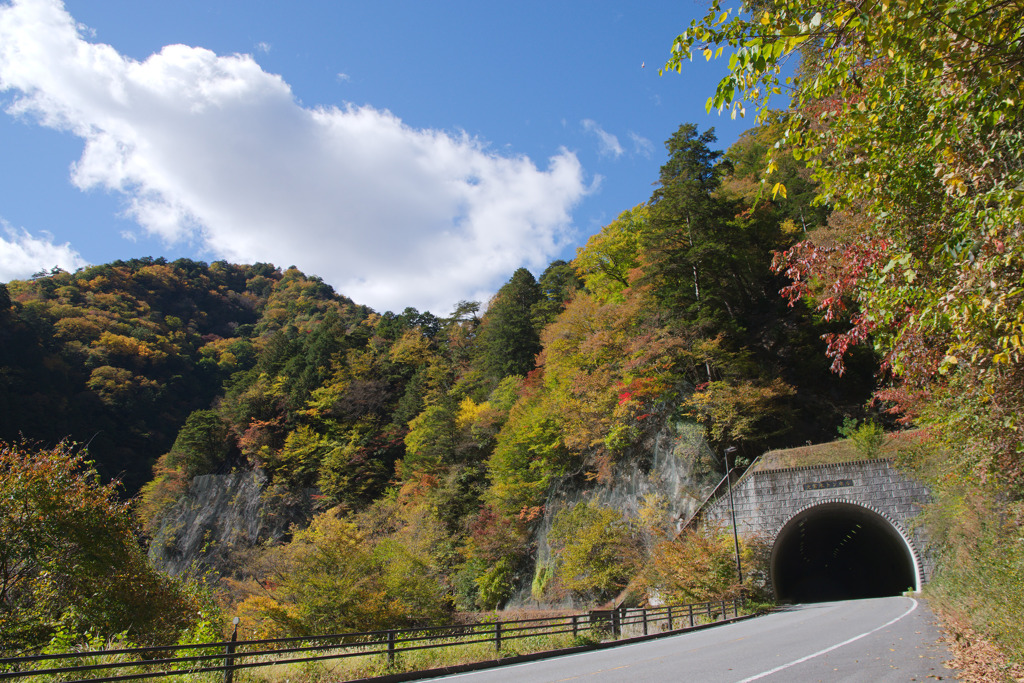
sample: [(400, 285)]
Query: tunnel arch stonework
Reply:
[(837, 549), (869, 493)]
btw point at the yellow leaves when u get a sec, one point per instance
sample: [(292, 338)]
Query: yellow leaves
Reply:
[(733, 411), (119, 386), (654, 512), (73, 550), (699, 566), (842, 17), (955, 185), (80, 328), (789, 227), (411, 349), (121, 345), (765, 18), (264, 617), (778, 189), (337, 575), (793, 42), (595, 548), (469, 413)]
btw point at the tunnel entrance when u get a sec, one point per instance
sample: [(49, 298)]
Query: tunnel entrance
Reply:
[(840, 551)]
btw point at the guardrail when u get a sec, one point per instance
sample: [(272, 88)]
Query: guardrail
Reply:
[(232, 655)]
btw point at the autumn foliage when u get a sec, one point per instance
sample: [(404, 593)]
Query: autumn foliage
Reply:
[(908, 115), (70, 558), (418, 452)]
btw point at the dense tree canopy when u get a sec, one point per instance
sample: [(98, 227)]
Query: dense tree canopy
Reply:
[(909, 115), (508, 341), (422, 449), (119, 355)]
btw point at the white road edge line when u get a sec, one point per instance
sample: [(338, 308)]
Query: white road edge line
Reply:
[(829, 649)]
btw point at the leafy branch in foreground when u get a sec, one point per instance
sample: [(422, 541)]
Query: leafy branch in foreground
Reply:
[(70, 561), (908, 114)]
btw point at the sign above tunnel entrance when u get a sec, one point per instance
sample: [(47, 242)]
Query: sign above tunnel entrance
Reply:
[(830, 484), (765, 501)]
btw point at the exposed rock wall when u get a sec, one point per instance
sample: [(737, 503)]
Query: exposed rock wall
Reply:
[(220, 514), (676, 469)]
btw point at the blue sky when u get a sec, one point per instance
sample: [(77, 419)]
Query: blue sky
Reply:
[(410, 153)]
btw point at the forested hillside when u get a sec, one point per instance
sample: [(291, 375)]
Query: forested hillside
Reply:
[(858, 255), (422, 447), (909, 115), (117, 356)]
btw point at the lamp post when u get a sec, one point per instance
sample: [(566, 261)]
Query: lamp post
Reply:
[(732, 511)]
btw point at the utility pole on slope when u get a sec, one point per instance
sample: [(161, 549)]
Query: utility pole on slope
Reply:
[(732, 511)]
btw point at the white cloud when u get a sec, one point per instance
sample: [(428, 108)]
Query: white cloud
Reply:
[(608, 144), (22, 255), (343, 77), (641, 145), (212, 148), (263, 46)]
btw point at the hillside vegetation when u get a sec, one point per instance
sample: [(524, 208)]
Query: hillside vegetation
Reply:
[(426, 445), (908, 114), (423, 449), (862, 442)]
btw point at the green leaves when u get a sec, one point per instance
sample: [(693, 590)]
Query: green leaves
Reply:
[(508, 342), (596, 550), (70, 559), (911, 118)]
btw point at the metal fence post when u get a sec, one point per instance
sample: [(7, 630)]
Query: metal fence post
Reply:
[(670, 617), (708, 603), (574, 627), (723, 610), (229, 651), (616, 623), (643, 614), (391, 648), (497, 636), (690, 606)]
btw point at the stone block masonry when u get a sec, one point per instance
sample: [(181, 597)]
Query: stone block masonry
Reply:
[(767, 500)]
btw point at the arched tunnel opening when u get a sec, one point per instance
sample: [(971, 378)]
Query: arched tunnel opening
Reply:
[(840, 551)]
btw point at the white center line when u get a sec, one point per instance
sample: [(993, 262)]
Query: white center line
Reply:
[(829, 649)]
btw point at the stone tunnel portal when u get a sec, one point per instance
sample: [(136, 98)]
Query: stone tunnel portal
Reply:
[(840, 551)]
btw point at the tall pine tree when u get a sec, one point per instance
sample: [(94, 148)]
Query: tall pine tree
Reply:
[(508, 343)]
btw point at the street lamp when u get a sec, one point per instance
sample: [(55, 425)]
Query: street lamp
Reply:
[(732, 510)]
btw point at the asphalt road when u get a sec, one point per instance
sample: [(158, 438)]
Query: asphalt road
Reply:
[(882, 639)]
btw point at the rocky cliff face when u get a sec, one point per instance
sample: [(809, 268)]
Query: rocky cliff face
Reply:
[(676, 471), (222, 513), (226, 513)]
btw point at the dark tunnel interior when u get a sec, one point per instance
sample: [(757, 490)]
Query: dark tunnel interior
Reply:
[(839, 551)]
